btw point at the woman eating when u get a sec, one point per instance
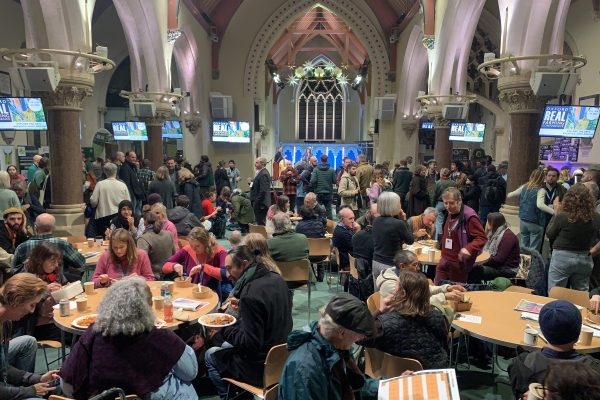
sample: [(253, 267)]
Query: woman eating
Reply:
[(412, 327), (503, 246), (124, 349), (203, 260), (125, 219), (122, 259)]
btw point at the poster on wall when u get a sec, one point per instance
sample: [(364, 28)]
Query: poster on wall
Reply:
[(25, 156), (560, 149), (8, 157)]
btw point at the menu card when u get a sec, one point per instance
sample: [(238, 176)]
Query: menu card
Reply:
[(529, 306), (434, 384)]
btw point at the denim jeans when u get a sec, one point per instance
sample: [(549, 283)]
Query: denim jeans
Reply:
[(213, 372), (532, 235), (570, 267), (21, 353), (439, 221)]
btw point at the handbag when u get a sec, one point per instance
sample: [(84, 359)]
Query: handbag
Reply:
[(43, 190)]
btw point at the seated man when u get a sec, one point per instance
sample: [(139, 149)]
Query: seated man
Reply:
[(560, 323), (362, 241), (44, 229), (286, 245), (423, 226), (310, 201), (342, 235), (182, 217), (12, 231), (320, 365), (406, 260), (264, 320), (362, 220)]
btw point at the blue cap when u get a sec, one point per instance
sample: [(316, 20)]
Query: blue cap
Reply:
[(560, 322)]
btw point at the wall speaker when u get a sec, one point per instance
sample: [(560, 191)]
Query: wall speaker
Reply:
[(376, 128), (256, 118)]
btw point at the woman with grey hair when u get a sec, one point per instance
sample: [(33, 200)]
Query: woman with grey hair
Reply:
[(8, 198), (124, 349), (390, 232)]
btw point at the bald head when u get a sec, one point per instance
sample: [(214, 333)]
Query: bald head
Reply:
[(346, 217), (44, 223), (37, 158)]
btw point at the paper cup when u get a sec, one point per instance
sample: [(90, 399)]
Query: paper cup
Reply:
[(81, 304), (431, 255), (99, 241), (536, 392), (171, 287), (585, 337), (89, 287), (158, 302), (91, 242), (530, 336), (418, 250)]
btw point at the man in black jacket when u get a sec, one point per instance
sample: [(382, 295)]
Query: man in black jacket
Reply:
[(264, 321), (401, 181), (260, 193), (493, 193), (128, 174)]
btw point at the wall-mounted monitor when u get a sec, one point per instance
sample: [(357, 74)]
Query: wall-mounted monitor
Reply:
[(570, 121), (22, 114), (467, 132), (426, 125), (231, 131), (130, 130), (172, 130)]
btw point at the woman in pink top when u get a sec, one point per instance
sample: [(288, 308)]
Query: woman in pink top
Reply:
[(121, 259), (160, 212)]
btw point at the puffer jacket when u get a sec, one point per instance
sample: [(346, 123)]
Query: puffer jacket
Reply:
[(311, 228), (183, 219), (242, 209), (323, 179), (308, 373)]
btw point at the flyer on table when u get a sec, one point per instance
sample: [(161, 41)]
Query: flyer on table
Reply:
[(22, 114)]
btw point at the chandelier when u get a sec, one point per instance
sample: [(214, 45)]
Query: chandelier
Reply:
[(319, 71)]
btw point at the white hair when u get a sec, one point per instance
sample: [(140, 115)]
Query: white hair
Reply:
[(388, 204), (430, 210), (110, 170), (281, 222), (327, 325)]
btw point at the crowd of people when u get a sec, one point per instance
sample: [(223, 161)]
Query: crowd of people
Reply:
[(144, 213)]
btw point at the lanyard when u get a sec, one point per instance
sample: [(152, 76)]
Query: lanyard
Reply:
[(451, 229)]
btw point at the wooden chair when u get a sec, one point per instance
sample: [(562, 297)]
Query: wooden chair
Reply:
[(330, 226), (296, 271), (272, 393), (353, 270), (258, 229), (57, 397), (319, 247), (574, 296), (374, 301), (44, 344), (274, 363), (518, 289), (379, 364)]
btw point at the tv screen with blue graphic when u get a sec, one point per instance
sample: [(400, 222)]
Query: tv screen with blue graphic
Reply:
[(426, 125), (22, 114), (130, 130), (172, 130), (570, 121), (231, 132), (467, 132)]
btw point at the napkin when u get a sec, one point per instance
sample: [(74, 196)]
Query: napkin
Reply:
[(181, 315)]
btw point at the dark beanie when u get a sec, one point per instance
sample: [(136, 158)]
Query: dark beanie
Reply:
[(154, 198), (560, 322)]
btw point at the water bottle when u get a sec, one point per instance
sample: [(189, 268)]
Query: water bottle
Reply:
[(168, 308)]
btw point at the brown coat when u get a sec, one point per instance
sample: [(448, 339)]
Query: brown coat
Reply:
[(418, 197)]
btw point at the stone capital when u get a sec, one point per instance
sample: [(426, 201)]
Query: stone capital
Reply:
[(517, 97), (440, 123), (193, 125), (67, 96), (157, 120), (409, 127)]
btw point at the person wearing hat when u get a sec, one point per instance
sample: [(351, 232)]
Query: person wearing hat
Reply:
[(560, 323), (320, 365), (12, 230)]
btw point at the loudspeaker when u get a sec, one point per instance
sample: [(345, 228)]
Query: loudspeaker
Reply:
[(455, 111), (142, 108), (553, 83), (256, 118), (376, 128), (385, 107), (41, 79), (221, 106)]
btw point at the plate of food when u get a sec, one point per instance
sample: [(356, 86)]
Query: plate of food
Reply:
[(428, 242), (84, 321), (217, 320)]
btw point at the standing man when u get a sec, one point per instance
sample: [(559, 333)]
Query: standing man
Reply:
[(307, 174), (322, 180), (204, 175), (463, 239), (364, 174), (431, 177), (106, 197), (493, 193), (554, 191), (146, 176), (129, 175), (260, 192), (349, 189), (343, 168), (401, 181), (289, 177), (33, 167), (234, 175), (172, 167), (119, 160)]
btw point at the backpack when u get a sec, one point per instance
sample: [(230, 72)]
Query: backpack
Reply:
[(493, 191)]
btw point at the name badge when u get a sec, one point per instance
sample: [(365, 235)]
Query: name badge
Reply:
[(448, 244)]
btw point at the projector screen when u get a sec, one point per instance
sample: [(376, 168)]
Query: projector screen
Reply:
[(467, 132), (22, 114), (172, 130), (130, 130), (231, 132), (569, 121)]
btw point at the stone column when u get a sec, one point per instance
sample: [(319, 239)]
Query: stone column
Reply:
[(64, 108), (442, 151), (154, 145)]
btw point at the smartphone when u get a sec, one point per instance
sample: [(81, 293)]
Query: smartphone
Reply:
[(54, 382)]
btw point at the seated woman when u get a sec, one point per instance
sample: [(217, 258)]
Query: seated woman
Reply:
[(503, 246), (125, 219), (157, 242), (18, 297), (412, 328), (257, 243), (203, 260), (282, 205), (121, 259), (151, 363)]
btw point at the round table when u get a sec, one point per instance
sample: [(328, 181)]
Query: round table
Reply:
[(85, 249), (502, 325), (64, 323), (424, 258)]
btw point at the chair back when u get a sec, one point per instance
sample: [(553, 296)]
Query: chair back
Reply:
[(319, 247), (258, 229), (274, 363), (379, 364), (330, 226), (574, 296), (374, 301), (294, 271), (353, 270), (272, 393), (518, 289)]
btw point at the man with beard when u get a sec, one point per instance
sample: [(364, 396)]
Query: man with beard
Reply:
[(349, 190), (12, 230)]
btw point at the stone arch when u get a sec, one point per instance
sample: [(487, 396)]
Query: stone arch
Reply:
[(288, 12), (185, 55)]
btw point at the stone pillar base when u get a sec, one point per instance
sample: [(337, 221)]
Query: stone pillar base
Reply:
[(511, 214), (69, 219)]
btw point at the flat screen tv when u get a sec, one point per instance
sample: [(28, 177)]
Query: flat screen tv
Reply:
[(130, 130), (570, 121), (22, 114), (426, 125), (231, 131), (467, 132), (172, 130)]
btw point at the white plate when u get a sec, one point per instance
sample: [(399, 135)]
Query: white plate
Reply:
[(77, 320), (160, 323), (203, 320)]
